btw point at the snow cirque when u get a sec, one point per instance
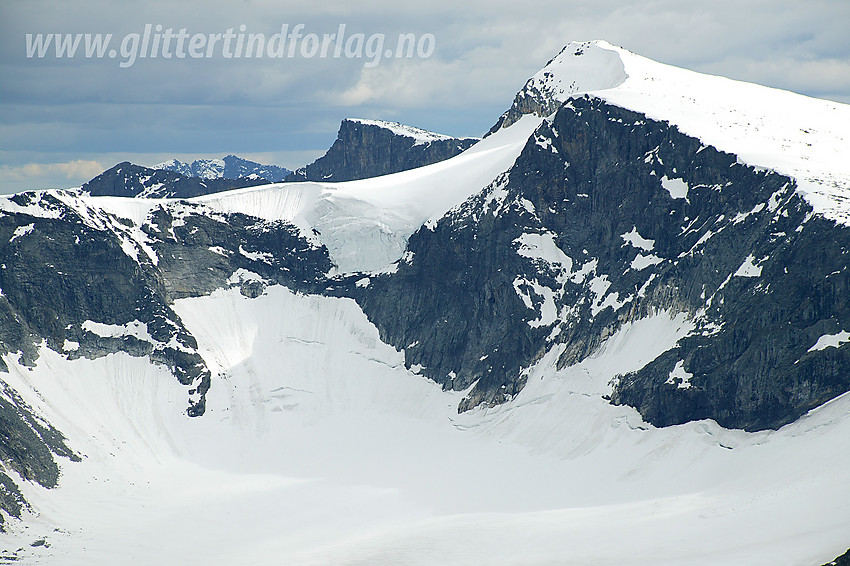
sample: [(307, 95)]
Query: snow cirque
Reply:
[(318, 447)]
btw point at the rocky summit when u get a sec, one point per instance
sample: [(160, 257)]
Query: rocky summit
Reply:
[(370, 148)]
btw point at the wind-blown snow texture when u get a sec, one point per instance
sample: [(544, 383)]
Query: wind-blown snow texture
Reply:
[(593, 289)]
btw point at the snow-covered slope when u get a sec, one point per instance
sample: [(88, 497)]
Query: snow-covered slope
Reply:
[(365, 224), (318, 447), (803, 137)]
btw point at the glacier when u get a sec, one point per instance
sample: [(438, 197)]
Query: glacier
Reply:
[(319, 447)]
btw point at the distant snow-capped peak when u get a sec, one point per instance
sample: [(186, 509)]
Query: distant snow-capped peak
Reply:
[(229, 167), (204, 168)]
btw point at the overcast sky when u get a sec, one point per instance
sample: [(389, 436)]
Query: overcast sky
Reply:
[(63, 121)]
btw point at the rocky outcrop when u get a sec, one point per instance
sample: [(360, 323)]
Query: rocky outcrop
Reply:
[(843, 560), (637, 218), (128, 180), (28, 448), (199, 252), (370, 148)]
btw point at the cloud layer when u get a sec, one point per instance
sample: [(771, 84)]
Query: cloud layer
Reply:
[(60, 111)]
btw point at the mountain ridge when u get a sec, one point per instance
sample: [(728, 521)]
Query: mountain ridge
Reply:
[(228, 167), (648, 313), (746, 119), (128, 180)]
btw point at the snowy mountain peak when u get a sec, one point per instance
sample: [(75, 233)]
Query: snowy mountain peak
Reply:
[(171, 165), (802, 137), (580, 67), (203, 168)]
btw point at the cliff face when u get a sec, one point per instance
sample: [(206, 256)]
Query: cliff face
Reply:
[(608, 217), (369, 148)]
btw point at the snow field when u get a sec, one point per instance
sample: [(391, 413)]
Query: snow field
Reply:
[(318, 447)]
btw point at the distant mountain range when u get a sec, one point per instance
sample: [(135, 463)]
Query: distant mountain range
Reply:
[(363, 149), (128, 180), (228, 167)]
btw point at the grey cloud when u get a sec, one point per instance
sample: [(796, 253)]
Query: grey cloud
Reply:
[(76, 110)]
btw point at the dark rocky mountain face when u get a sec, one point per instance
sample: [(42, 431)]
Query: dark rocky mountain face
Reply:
[(238, 168), (740, 252), (606, 217), (843, 560), (364, 149), (129, 180), (84, 264), (229, 167)]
